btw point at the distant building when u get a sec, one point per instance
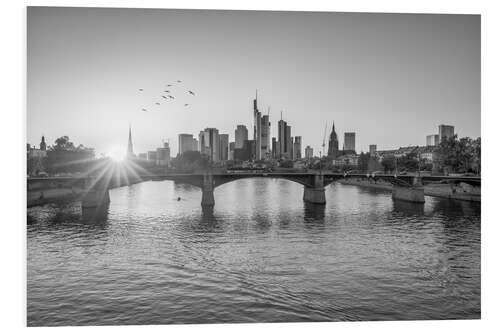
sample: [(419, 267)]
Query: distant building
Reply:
[(163, 155), (289, 140), (186, 143), (309, 152), (195, 145), (350, 141), (265, 137), (333, 143), (257, 132), (43, 145), (426, 154), (143, 156), (240, 135), (231, 151), (152, 156), (346, 160), (432, 140), (247, 153), (282, 141), (446, 131), (373, 150), (223, 147), (274, 148), (297, 148), (210, 143)]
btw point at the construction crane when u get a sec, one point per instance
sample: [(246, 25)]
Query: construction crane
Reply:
[(324, 138)]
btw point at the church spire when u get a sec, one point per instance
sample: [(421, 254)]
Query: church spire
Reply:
[(130, 149)]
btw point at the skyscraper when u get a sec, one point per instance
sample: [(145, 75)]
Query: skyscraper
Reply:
[(224, 146), (257, 122), (350, 141), (240, 135), (289, 141), (333, 143), (163, 155), (297, 148), (130, 148), (446, 131), (274, 148), (282, 143), (373, 150), (186, 143), (210, 143), (265, 137)]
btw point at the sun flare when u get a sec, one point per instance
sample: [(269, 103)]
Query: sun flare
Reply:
[(116, 154)]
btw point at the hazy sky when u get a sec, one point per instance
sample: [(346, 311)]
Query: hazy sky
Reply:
[(391, 78)]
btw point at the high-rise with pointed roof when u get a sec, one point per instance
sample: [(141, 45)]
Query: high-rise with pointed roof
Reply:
[(333, 143), (130, 149)]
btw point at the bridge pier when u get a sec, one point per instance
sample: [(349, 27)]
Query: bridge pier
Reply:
[(207, 194), (413, 193), (95, 198), (316, 193)]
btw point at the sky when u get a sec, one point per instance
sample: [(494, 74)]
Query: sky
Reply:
[(391, 78)]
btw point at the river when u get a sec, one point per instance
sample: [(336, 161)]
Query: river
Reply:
[(262, 255)]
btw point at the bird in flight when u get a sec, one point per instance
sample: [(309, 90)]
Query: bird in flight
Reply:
[(167, 91), (192, 93), (179, 81), (141, 89), (186, 104), (163, 96), (145, 110), (171, 97), (157, 103), (169, 85)]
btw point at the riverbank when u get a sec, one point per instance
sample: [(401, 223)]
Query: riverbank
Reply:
[(461, 191), (52, 195)]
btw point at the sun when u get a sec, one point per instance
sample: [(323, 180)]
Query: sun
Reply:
[(116, 154)]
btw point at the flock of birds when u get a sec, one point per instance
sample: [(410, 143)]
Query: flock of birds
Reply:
[(167, 94)]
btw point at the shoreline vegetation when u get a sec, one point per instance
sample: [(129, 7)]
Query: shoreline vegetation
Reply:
[(461, 191)]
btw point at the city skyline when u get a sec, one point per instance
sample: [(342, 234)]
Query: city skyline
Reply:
[(344, 67)]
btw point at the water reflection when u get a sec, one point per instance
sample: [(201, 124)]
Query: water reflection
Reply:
[(261, 254), (408, 208)]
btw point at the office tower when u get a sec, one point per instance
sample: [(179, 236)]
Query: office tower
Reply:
[(350, 141), (432, 140), (265, 137), (152, 156), (281, 145), (274, 148), (257, 133), (309, 152), (333, 143), (224, 146), (373, 150), (240, 135), (289, 141), (210, 143), (231, 150), (297, 148), (446, 131), (195, 144), (186, 142)]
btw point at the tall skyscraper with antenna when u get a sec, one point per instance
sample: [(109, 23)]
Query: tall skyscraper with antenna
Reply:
[(257, 129)]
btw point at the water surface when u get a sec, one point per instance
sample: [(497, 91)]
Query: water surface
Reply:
[(262, 255)]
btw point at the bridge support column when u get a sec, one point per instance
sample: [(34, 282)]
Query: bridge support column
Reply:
[(207, 196), (413, 193), (95, 198), (315, 194)]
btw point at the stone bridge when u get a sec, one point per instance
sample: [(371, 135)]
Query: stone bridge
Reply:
[(405, 187)]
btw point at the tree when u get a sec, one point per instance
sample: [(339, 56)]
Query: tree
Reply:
[(63, 156), (190, 161), (459, 155), (388, 163)]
